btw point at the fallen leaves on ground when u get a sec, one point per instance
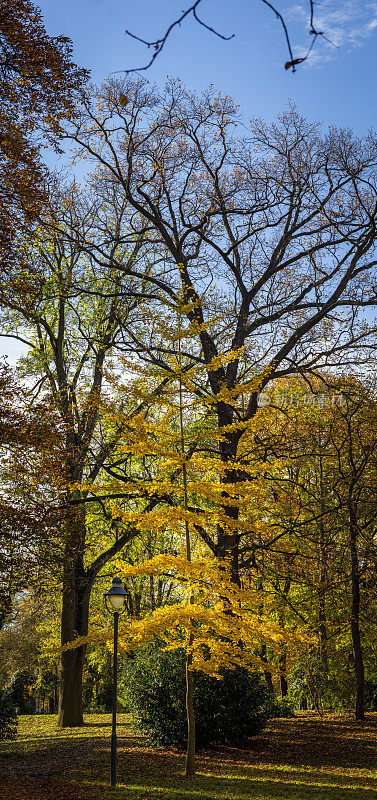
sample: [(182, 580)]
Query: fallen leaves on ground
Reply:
[(304, 758)]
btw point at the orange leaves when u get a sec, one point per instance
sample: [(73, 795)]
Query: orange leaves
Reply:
[(39, 86)]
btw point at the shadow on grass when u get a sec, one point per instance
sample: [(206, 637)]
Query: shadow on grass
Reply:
[(306, 758), (201, 788), (145, 773), (102, 724)]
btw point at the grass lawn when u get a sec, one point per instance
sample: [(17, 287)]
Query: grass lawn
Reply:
[(305, 758)]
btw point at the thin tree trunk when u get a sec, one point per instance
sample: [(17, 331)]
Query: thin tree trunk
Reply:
[(190, 752), (56, 692), (190, 710), (267, 673), (355, 623), (159, 593), (283, 655), (322, 620), (283, 678)]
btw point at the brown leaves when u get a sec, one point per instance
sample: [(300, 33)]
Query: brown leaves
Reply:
[(39, 84), (34, 789), (295, 758)]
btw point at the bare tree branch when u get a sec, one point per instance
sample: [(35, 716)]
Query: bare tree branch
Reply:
[(159, 44)]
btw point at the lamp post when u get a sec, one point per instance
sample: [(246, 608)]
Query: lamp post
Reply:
[(116, 596)]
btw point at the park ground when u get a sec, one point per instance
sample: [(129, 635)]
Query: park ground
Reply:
[(305, 758)]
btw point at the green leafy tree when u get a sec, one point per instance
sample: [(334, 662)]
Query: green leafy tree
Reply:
[(322, 479)]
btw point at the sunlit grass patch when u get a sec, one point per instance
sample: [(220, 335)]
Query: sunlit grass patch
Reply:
[(305, 758), (40, 730)]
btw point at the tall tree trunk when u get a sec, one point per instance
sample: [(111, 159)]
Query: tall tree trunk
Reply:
[(228, 543), (75, 613), (267, 673), (322, 621), (74, 620), (355, 623), (228, 538), (56, 690), (283, 677), (283, 655), (190, 711)]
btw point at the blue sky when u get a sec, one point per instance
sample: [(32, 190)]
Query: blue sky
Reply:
[(337, 86)]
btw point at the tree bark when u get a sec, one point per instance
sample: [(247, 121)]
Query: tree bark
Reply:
[(228, 543), (322, 617), (75, 613), (190, 752), (283, 655), (283, 678), (355, 622), (267, 673), (322, 589), (74, 620), (190, 710), (77, 586)]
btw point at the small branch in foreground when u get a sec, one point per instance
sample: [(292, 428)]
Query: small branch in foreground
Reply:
[(159, 44)]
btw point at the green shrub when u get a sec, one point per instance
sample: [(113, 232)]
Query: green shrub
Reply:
[(8, 717), (21, 691), (283, 707), (100, 703), (227, 711), (105, 697)]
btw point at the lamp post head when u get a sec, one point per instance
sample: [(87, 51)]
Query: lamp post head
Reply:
[(116, 594)]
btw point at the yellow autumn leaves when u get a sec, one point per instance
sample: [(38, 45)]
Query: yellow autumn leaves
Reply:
[(227, 623)]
